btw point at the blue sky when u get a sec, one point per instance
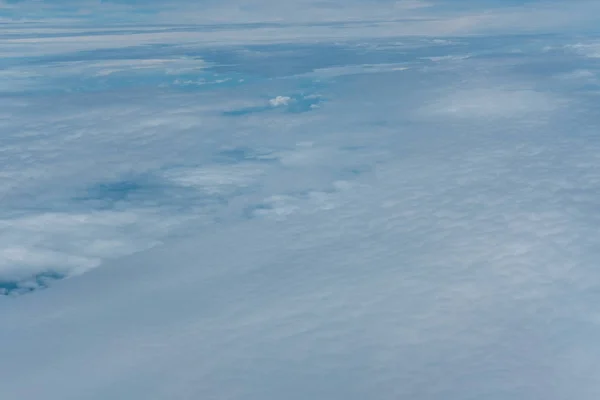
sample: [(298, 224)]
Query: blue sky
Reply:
[(267, 200)]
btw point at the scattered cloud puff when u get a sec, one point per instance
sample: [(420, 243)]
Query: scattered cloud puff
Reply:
[(280, 101), (591, 50), (300, 103)]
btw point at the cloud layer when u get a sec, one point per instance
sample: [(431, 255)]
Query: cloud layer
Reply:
[(299, 200)]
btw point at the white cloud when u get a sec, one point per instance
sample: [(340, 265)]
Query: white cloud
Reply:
[(590, 49), (170, 66), (494, 103), (331, 72), (448, 58), (280, 101), (216, 179), (430, 232), (49, 76), (269, 21)]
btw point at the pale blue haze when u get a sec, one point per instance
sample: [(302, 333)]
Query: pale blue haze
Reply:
[(268, 200)]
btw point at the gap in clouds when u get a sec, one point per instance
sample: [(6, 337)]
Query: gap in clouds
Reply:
[(76, 214)]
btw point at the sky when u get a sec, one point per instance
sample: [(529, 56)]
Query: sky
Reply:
[(309, 199)]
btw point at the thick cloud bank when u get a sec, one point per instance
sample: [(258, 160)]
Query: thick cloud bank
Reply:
[(299, 200)]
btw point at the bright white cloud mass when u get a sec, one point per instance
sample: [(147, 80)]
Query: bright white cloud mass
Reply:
[(268, 200)]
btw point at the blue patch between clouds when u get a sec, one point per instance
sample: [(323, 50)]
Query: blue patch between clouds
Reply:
[(236, 155), (106, 194), (246, 111), (38, 281)]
